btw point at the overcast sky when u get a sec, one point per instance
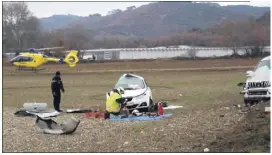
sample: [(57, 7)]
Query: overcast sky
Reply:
[(46, 9)]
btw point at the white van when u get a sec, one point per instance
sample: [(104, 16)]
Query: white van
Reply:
[(257, 86)]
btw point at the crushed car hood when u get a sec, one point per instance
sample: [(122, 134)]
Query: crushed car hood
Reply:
[(133, 93), (261, 74)]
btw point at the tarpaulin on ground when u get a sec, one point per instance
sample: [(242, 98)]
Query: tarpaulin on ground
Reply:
[(141, 118)]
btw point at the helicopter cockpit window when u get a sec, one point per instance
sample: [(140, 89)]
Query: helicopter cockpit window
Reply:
[(27, 59), (21, 59), (15, 59)]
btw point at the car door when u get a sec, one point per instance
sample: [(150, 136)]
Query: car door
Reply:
[(148, 90)]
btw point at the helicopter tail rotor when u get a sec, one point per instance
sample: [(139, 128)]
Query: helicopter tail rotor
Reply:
[(71, 59)]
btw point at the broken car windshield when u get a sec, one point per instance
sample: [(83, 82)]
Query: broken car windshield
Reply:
[(130, 83)]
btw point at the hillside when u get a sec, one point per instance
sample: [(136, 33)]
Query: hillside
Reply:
[(158, 19), (265, 19), (57, 21)]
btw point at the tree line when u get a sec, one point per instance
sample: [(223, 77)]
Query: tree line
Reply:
[(22, 30)]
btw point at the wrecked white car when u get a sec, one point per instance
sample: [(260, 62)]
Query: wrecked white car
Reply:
[(137, 92), (257, 85)]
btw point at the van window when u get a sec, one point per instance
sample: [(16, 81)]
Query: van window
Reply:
[(263, 63)]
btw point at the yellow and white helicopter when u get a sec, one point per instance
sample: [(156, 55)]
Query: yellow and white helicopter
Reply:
[(35, 60)]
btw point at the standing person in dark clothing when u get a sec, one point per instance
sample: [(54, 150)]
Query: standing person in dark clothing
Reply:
[(56, 86)]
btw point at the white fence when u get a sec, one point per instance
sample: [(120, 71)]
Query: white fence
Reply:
[(156, 53)]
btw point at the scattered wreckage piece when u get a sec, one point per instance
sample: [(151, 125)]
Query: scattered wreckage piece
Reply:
[(49, 126), (39, 109), (23, 113), (94, 108), (35, 107), (267, 110), (78, 111), (46, 114), (172, 107)]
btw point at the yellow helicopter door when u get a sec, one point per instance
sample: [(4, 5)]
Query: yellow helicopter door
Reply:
[(29, 61)]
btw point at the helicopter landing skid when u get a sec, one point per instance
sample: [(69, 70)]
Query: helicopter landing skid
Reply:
[(29, 69)]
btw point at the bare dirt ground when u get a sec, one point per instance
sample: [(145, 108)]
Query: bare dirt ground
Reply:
[(209, 118)]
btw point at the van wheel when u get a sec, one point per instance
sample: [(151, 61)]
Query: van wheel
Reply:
[(249, 103)]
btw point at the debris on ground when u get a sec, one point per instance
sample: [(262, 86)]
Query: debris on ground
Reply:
[(49, 126), (53, 113), (93, 108), (40, 109), (35, 107), (251, 134), (46, 114), (267, 110), (94, 115), (238, 106), (78, 111), (23, 113), (226, 108), (206, 150), (172, 107), (136, 113)]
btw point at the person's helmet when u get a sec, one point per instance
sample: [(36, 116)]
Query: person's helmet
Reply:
[(121, 90)]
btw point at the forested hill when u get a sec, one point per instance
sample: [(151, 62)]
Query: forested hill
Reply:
[(157, 18)]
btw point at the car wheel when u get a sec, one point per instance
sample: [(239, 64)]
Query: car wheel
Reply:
[(151, 106)]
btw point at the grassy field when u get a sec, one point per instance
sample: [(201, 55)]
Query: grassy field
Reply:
[(204, 95)]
